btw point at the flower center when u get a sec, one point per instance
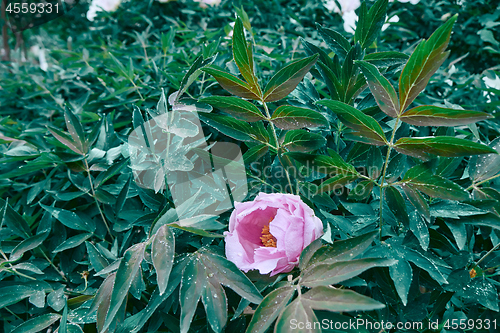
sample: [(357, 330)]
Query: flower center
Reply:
[(267, 239)]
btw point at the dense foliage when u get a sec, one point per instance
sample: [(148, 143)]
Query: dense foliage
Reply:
[(388, 134)]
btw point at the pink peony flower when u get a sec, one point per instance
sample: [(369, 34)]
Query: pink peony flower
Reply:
[(270, 233)]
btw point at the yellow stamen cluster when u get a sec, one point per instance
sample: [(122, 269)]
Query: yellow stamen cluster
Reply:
[(267, 239), (472, 273)]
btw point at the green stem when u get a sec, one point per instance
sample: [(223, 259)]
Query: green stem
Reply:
[(481, 182), (382, 181), (95, 199), (268, 118), (487, 254)]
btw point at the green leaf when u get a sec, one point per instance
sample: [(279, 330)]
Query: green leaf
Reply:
[(370, 23), (401, 274), (418, 201), (215, 302), (420, 229), (287, 79), (270, 308), (242, 53), (397, 205), (420, 178), (75, 129), (297, 312), (440, 145), (429, 115), (488, 165), (70, 219), (237, 129), (386, 59), (97, 260), (343, 250), (192, 286), (334, 40), (338, 300), (192, 74), (236, 107), (129, 267), (26, 245), (366, 128), (308, 252), (303, 141), (66, 140), (423, 63), (13, 294), (72, 242), (381, 89), (13, 221), (291, 117), (37, 324), (231, 83), (362, 190), (162, 253), (334, 273), (229, 275), (328, 165), (336, 181), (254, 153)]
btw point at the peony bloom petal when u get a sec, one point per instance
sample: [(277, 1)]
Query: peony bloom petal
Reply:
[(269, 233)]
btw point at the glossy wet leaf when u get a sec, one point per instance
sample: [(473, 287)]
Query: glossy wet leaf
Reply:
[(27, 245), (243, 57), (366, 128), (37, 324), (397, 205), (162, 253), (448, 146), (231, 83), (338, 300), (236, 107), (370, 22), (291, 117), (70, 219), (72, 242), (423, 63), (401, 274), (287, 79), (303, 141), (429, 115)]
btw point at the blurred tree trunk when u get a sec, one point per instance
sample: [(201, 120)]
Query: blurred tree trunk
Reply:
[(5, 36)]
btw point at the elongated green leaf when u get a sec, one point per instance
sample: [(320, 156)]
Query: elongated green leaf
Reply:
[(37, 324), (66, 140), (229, 275), (423, 63), (420, 178), (162, 253), (440, 145), (236, 107), (12, 220), (397, 205), (303, 141), (26, 245), (237, 129), (336, 182), (328, 165), (381, 88), (362, 190), (335, 41), (75, 129), (386, 59), (418, 201), (243, 57), (192, 74), (488, 165), (328, 274), (287, 78), (401, 274), (367, 128), (370, 22), (215, 301), (70, 219), (270, 308), (299, 313), (13, 294), (192, 285), (231, 83), (104, 292), (97, 260), (343, 250), (71, 242), (338, 300), (429, 115), (291, 117), (308, 252), (254, 153), (126, 273)]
